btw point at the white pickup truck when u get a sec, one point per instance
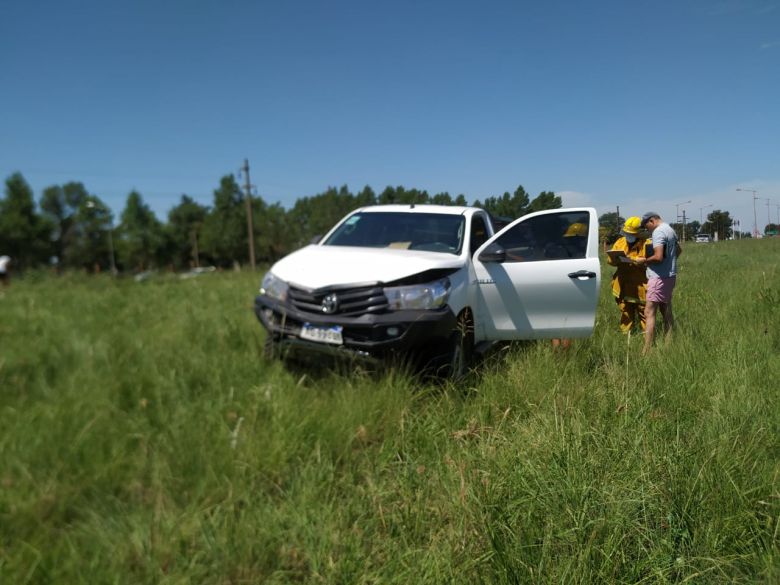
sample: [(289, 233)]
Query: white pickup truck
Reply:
[(431, 283)]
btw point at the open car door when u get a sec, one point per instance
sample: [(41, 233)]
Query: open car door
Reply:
[(539, 277)]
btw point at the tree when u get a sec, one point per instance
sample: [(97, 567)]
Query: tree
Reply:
[(140, 235), (545, 200), (275, 238), (88, 238), (612, 221), (365, 197), (224, 236), (509, 206), (442, 199), (688, 229), (610, 224), (312, 216), (185, 221), (81, 226), (24, 235), (60, 205), (771, 229), (718, 222), (401, 196)]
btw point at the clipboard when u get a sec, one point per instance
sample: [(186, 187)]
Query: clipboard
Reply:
[(619, 256)]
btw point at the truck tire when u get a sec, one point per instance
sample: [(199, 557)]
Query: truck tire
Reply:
[(461, 348), (270, 348)]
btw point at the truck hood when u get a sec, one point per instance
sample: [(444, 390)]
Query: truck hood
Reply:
[(315, 267)]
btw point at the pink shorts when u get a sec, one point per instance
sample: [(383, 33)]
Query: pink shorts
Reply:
[(659, 290)]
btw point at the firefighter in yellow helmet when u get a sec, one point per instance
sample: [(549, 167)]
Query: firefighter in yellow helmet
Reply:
[(629, 283)]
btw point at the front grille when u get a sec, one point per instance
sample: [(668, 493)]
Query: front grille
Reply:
[(352, 302)]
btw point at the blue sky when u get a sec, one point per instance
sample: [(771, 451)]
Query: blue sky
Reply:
[(637, 104)]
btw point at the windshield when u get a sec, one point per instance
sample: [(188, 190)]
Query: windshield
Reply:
[(432, 232)]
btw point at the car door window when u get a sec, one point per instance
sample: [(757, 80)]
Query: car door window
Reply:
[(554, 236)]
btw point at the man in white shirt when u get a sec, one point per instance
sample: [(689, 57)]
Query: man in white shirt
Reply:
[(661, 274)]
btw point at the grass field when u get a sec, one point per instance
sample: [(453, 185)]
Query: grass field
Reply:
[(144, 440)]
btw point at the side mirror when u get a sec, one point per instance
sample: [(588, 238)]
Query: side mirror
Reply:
[(493, 253), (315, 240)]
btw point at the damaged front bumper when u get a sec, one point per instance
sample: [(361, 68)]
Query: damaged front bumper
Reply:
[(419, 335)]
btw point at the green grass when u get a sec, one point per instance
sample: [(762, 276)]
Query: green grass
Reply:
[(144, 440)]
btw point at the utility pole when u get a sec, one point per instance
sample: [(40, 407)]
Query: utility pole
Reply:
[(683, 227), (677, 216), (768, 219), (755, 219), (249, 223), (777, 225)]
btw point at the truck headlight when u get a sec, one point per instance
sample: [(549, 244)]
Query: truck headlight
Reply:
[(431, 295), (274, 287)]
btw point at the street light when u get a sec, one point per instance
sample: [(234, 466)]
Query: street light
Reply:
[(677, 206), (755, 219)]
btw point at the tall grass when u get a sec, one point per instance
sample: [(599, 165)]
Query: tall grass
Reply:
[(144, 440)]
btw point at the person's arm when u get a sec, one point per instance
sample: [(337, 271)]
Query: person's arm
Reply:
[(657, 256)]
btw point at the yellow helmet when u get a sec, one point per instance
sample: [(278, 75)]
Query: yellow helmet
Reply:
[(576, 229), (632, 226)]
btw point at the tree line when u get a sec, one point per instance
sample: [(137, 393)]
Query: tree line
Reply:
[(70, 228)]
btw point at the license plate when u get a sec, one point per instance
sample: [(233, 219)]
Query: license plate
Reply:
[(330, 334)]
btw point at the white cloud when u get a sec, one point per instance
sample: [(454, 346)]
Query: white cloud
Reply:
[(575, 199), (628, 207), (770, 44)]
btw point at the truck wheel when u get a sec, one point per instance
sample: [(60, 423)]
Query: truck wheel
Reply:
[(461, 348)]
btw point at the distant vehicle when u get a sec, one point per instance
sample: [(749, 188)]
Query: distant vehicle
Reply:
[(703, 238)]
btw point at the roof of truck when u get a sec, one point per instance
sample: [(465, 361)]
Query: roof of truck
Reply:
[(419, 208)]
